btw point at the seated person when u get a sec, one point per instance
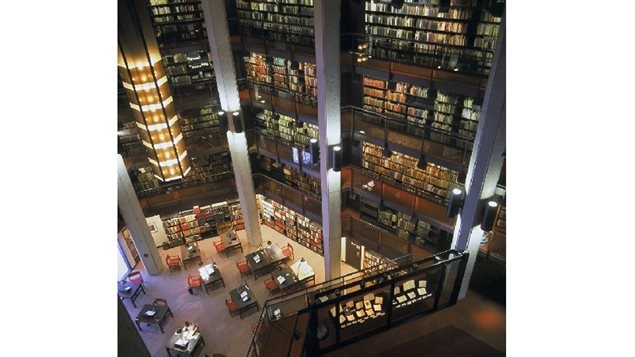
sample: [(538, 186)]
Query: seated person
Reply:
[(189, 329)]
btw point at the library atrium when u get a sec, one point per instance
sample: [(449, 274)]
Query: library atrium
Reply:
[(311, 178)]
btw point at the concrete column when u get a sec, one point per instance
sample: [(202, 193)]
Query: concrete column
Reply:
[(220, 45), (327, 56), (135, 221), (485, 163)]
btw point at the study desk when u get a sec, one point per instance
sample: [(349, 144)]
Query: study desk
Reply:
[(128, 290), (212, 279), (268, 258), (285, 279), (190, 253), (231, 242), (146, 315), (244, 305), (193, 346)]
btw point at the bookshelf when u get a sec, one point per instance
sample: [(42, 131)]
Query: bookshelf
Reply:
[(189, 68), (421, 109), (286, 128), (214, 167), (460, 37), (199, 122), (292, 76), (292, 224), (145, 179), (370, 259), (435, 182), (175, 21), (300, 180), (236, 216), (288, 21)]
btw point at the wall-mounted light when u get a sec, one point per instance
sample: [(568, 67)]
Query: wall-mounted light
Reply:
[(222, 121), (489, 215), (456, 202), (314, 149), (238, 123), (337, 158)]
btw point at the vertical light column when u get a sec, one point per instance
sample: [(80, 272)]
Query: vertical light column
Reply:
[(146, 84), (327, 56), (485, 163), (219, 43), (132, 214)]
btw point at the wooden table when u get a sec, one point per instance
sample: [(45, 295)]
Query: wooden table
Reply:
[(213, 278), (288, 278), (190, 253), (194, 346), (231, 242), (270, 257), (128, 290), (244, 305), (159, 316)]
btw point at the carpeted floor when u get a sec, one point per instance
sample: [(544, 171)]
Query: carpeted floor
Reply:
[(448, 341)]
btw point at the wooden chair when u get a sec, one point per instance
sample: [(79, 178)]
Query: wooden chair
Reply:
[(160, 302), (135, 277), (195, 282), (271, 286), (243, 268), (173, 262), (287, 250), (231, 307), (220, 247)]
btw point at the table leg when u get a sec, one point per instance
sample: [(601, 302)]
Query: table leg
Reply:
[(170, 311), (168, 350), (132, 299), (138, 324), (142, 289), (160, 323)]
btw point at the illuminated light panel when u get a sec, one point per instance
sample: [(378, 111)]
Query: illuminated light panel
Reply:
[(147, 85), (165, 144)]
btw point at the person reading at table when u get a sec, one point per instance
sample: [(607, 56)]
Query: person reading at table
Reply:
[(189, 327)]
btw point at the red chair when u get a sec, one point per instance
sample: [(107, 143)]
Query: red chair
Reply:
[(135, 277), (243, 268), (195, 282), (173, 262), (220, 247), (271, 286), (287, 250), (160, 302), (231, 307)]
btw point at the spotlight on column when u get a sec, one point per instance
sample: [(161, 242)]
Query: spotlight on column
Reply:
[(387, 152), (314, 149), (337, 158), (456, 202), (238, 123), (397, 4), (422, 163), (489, 214), (222, 118), (444, 5)]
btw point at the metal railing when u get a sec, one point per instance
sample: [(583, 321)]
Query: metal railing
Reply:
[(444, 272)]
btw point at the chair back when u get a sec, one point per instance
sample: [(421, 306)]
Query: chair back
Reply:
[(242, 266), (172, 260), (160, 302), (231, 306), (194, 281), (135, 277), (219, 246)]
